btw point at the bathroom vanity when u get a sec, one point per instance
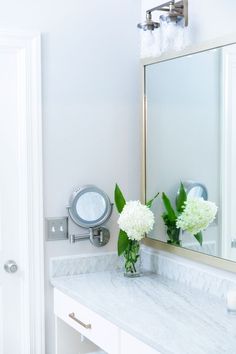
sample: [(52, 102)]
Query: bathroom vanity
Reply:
[(147, 315), (102, 332)]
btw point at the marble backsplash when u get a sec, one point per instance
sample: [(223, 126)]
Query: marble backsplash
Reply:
[(84, 263), (207, 279)]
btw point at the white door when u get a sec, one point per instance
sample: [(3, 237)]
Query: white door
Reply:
[(19, 163)]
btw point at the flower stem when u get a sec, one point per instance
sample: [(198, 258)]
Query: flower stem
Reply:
[(131, 255)]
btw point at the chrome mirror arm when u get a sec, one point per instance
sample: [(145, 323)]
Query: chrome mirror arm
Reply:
[(97, 236)]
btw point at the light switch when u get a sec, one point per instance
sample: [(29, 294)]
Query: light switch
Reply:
[(57, 228)]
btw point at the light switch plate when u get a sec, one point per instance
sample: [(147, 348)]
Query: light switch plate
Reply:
[(57, 228)]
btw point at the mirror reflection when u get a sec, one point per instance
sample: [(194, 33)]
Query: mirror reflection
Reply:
[(195, 190), (190, 138)]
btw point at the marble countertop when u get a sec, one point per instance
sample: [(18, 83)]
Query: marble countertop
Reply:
[(170, 317)]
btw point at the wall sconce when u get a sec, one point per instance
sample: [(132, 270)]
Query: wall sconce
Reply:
[(171, 24)]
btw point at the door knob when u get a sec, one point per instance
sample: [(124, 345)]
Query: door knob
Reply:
[(10, 267)]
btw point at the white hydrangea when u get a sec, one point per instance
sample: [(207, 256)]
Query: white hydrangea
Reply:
[(197, 215), (136, 219)]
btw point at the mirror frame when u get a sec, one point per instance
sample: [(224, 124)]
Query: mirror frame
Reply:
[(213, 261), (74, 214)]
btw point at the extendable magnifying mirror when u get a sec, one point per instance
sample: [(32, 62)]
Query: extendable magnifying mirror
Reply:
[(195, 189), (90, 208)]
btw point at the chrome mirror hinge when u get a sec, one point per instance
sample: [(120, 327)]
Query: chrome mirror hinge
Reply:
[(74, 238), (83, 236)]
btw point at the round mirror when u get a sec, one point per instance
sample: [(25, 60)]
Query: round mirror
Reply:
[(196, 189), (89, 207)]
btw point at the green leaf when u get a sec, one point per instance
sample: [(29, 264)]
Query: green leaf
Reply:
[(119, 199), (199, 237), (149, 203), (181, 198), (169, 209), (123, 242)]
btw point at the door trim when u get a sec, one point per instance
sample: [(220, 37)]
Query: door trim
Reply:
[(28, 47)]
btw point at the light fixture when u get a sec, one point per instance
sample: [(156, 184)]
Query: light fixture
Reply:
[(171, 24), (175, 12)]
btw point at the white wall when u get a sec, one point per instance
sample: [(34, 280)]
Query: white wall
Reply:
[(90, 56)]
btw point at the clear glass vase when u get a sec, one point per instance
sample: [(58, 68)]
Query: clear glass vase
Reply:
[(174, 236), (132, 261)]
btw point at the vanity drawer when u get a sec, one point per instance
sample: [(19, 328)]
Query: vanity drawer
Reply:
[(130, 344), (88, 323)]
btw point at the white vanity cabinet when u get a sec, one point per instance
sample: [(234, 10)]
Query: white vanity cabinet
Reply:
[(104, 334), (94, 327), (131, 345)]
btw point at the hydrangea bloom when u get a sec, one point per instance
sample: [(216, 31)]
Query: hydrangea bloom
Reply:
[(197, 215), (136, 219)]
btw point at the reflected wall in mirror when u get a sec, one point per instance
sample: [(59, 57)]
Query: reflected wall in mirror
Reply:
[(191, 135)]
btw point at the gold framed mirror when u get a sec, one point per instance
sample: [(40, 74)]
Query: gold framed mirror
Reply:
[(189, 94)]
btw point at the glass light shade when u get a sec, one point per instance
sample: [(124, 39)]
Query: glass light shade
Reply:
[(150, 43), (172, 33)]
